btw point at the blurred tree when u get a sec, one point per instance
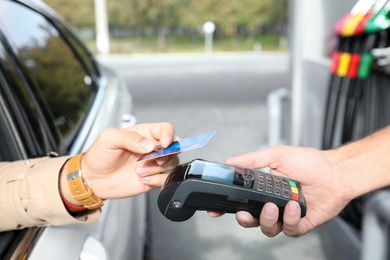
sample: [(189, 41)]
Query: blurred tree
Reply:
[(143, 16), (230, 16), (79, 13)]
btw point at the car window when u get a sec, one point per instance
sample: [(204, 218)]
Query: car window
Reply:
[(88, 60), (20, 106), (63, 87)]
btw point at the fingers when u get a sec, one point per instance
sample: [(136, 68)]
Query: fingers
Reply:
[(269, 220), (214, 214), (163, 160), (245, 219), (291, 219), (114, 138), (164, 132), (257, 159), (152, 167), (138, 139), (270, 226), (153, 174), (154, 181)]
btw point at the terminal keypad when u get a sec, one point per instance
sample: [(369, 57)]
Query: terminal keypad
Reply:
[(277, 186)]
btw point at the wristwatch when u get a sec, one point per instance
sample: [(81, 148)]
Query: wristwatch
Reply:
[(78, 187)]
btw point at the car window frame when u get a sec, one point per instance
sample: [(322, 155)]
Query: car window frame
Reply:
[(9, 130)]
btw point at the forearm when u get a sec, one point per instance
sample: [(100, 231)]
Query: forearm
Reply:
[(365, 163), (29, 195)]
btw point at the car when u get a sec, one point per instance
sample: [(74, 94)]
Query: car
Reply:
[(55, 99)]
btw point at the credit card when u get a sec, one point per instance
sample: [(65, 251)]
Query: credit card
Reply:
[(179, 146)]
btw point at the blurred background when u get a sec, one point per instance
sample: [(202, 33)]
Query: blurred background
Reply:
[(172, 26)]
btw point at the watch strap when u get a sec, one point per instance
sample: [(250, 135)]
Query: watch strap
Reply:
[(77, 186), (70, 207)]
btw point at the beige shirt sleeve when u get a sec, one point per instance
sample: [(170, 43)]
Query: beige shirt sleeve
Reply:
[(29, 195)]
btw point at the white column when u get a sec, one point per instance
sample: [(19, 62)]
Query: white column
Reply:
[(101, 23), (297, 37)]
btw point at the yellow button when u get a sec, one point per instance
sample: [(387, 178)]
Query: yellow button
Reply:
[(294, 190)]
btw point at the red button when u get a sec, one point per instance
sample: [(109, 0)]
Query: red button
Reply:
[(295, 196)]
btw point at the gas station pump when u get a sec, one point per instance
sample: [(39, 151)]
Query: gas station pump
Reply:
[(341, 93)]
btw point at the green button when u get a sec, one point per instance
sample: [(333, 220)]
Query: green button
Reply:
[(292, 183)]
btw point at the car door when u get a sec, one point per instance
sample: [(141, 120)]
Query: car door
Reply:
[(19, 138), (59, 99)]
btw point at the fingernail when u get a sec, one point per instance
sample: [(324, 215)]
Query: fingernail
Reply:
[(292, 208), (168, 140), (147, 145), (269, 212), (141, 170), (145, 179), (162, 160)]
